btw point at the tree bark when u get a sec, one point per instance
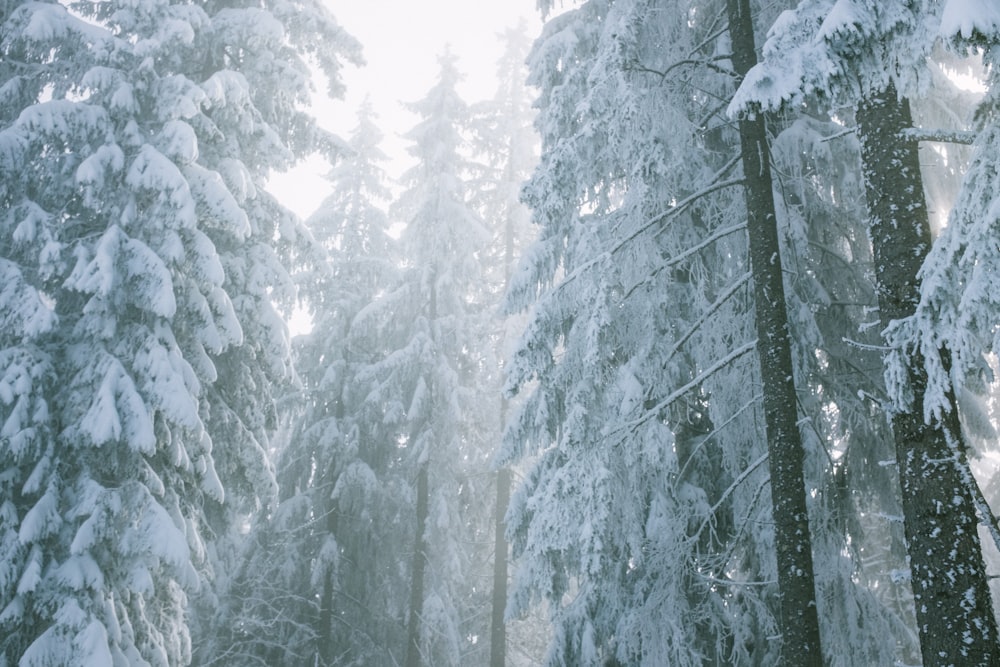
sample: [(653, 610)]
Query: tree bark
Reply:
[(798, 615), (950, 589)]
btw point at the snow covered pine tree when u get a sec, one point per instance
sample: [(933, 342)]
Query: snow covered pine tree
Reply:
[(311, 580), (425, 332), (861, 53), (507, 144), (644, 520), (138, 340)]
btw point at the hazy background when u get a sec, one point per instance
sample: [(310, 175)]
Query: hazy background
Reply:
[(402, 40)]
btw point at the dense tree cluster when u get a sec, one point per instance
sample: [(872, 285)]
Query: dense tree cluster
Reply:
[(659, 348)]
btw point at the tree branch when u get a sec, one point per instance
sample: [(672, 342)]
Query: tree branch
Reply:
[(710, 63), (964, 137), (677, 393)]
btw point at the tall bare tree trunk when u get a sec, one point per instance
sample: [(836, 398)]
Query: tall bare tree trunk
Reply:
[(798, 617), (953, 605)]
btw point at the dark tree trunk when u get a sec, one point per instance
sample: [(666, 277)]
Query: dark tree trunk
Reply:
[(953, 605), (417, 572), (798, 617), (324, 637)]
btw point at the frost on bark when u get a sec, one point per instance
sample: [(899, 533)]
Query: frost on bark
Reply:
[(954, 614), (793, 545)]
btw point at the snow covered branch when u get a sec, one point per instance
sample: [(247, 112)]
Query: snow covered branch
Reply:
[(965, 137)]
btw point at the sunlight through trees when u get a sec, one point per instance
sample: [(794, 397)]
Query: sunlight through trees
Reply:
[(678, 349)]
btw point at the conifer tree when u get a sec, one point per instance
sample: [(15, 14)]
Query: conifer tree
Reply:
[(423, 382), (786, 455), (312, 563), (643, 478), (840, 54), (954, 611), (505, 140), (140, 341), (640, 344)]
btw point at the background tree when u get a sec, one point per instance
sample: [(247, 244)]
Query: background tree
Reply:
[(311, 586), (424, 383), (507, 144)]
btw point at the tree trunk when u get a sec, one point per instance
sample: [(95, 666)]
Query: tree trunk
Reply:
[(953, 605), (798, 616), (417, 572), (324, 637), (413, 656), (498, 628)]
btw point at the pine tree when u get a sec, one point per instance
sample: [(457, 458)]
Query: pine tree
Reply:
[(139, 242), (424, 383), (939, 512), (842, 56), (638, 360), (643, 479), (948, 329), (351, 455), (312, 564), (950, 323), (505, 139)]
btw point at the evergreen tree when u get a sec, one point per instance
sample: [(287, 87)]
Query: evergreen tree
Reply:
[(840, 53), (140, 340), (348, 455), (786, 456), (505, 140), (950, 327), (635, 510), (312, 563), (424, 380), (644, 402)]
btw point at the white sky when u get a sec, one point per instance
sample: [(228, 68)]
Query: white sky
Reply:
[(402, 40)]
